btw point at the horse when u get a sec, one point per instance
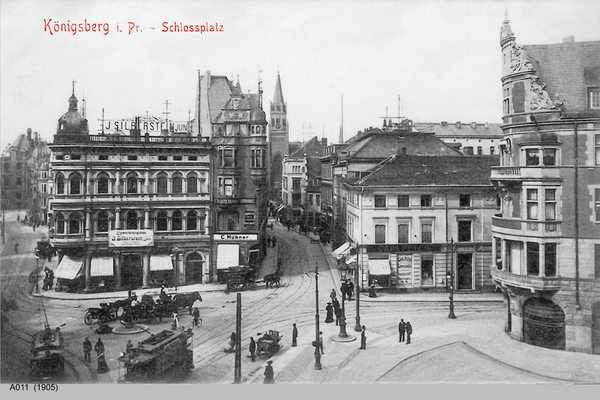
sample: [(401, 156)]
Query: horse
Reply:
[(182, 300), (272, 279)]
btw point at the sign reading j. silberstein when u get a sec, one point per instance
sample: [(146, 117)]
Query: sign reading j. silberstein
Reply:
[(235, 236), (131, 238)]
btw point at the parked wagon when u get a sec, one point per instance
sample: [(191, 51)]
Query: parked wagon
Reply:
[(105, 313), (268, 343)]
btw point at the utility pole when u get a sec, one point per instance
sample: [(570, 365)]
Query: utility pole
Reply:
[(357, 327), (451, 278), (317, 335), (237, 377)]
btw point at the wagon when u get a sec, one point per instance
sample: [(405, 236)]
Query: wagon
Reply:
[(268, 343), (241, 277)]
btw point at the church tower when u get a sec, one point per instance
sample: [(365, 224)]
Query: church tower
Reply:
[(279, 140)]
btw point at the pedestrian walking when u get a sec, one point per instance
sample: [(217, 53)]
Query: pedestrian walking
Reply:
[(363, 338), (87, 350), (333, 296), (350, 289), (408, 332), (344, 290), (274, 241), (232, 343), (269, 373), (329, 310), (294, 335), (321, 342), (102, 365), (129, 346), (401, 330), (99, 347), (175, 324), (196, 316), (372, 291), (16, 247), (338, 312), (252, 348)]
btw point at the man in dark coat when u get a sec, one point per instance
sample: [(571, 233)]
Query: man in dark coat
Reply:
[(269, 373), (344, 289), (87, 350), (252, 348), (350, 289), (408, 332), (294, 336), (363, 338), (401, 330), (338, 313)]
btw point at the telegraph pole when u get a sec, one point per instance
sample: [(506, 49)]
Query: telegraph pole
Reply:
[(237, 377), (451, 278), (317, 335)]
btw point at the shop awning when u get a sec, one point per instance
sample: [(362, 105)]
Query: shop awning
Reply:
[(343, 250), (379, 267), (352, 260), (161, 262), (69, 268), (101, 266), (228, 255)]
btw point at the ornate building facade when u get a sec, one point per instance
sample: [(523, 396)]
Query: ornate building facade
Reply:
[(129, 210), (547, 239)]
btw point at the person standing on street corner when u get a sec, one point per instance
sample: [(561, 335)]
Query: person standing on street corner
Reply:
[(408, 332), (87, 350), (269, 373), (129, 346), (333, 296), (321, 342), (350, 289), (99, 347), (401, 330), (363, 338), (252, 348), (294, 336)]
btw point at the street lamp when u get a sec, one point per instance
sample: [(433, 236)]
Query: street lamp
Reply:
[(450, 278), (317, 335), (175, 258), (358, 326)]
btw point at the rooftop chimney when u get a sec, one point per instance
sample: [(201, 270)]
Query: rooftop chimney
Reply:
[(473, 125), (444, 123), (569, 39), (458, 124)]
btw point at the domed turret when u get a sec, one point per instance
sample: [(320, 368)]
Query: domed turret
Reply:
[(258, 117), (72, 121)]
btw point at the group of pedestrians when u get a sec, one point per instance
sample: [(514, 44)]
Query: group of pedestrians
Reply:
[(99, 348), (404, 331)]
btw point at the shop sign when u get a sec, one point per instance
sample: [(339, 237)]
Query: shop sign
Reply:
[(131, 238), (234, 237), (405, 269)]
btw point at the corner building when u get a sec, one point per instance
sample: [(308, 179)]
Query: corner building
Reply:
[(546, 241), (236, 126), (150, 189)]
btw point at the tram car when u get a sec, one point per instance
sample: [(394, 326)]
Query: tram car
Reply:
[(47, 360), (166, 356)]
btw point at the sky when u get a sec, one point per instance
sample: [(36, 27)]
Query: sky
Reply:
[(440, 58)]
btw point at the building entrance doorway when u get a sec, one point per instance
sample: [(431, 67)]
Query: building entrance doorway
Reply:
[(543, 324), (194, 264), (131, 271), (464, 265)]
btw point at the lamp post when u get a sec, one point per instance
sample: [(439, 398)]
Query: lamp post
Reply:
[(3, 222), (358, 326), (317, 335), (450, 278), (175, 258)]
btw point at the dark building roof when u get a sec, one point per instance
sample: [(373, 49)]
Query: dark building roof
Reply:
[(567, 69), (461, 129), (219, 93), (314, 148), (400, 171)]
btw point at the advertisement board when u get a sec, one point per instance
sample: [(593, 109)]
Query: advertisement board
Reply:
[(131, 238)]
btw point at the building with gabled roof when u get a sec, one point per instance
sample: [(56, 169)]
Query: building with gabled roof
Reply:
[(470, 138), (423, 222), (546, 247)]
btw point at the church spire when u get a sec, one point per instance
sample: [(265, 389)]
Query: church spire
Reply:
[(278, 96)]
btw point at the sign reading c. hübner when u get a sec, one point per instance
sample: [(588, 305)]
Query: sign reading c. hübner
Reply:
[(236, 237), (131, 238)]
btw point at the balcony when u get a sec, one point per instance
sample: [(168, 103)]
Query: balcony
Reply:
[(526, 227), (530, 283), (525, 173)]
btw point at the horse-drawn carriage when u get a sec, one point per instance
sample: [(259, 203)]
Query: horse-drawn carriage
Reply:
[(241, 277), (105, 313), (268, 343)]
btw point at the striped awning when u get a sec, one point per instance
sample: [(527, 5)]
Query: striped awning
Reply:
[(101, 266), (379, 267), (161, 262), (228, 255), (343, 250), (69, 268)]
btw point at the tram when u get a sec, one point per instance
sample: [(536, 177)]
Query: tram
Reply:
[(167, 355), (47, 360)]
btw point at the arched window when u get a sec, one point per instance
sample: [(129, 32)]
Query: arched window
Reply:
[(75, 223), (177, 223), (192, 184), (102, 221), (161, 183), (131, 221), (103, 183), (177, 184), (60, 184), (75, 180), (132, 183), (60, 223), (162, 219), (192, 220)]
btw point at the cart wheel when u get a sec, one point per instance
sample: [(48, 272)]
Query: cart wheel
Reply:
[(88, 319), (232, 287), (112, 314)]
